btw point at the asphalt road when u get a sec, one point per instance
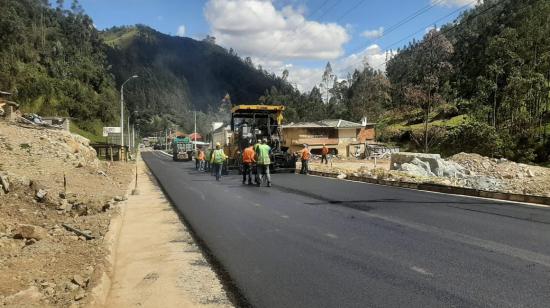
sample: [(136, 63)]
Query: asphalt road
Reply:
[(316, 242)]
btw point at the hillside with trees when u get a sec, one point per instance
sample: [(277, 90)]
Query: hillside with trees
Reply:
[(53, 62), (179, 75), (480, 84)]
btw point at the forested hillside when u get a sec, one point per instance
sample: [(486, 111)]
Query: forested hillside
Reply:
[(179, 75), (480, 84), (53, 61)]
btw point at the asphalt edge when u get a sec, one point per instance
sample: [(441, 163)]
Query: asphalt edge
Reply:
[(234, 294), (539, 201), (100, 291)]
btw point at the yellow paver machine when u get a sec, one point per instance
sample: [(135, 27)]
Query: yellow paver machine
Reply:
[(251, 123)]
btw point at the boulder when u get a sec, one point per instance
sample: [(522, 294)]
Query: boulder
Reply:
[(397, 159), (415, 170), (80, 281), (24, 231), (41, 194), (433, 165)]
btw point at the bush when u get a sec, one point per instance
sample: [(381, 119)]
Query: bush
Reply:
[(472, 137)]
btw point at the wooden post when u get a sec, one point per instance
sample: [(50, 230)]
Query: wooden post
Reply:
[(64, 183)]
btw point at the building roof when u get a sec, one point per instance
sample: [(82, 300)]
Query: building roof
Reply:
[(332, 123)]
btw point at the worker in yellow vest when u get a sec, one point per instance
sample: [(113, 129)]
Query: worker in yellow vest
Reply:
[(263, 161), (217, 160)]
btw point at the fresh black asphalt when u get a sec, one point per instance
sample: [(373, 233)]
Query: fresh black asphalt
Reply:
[(316, 242)]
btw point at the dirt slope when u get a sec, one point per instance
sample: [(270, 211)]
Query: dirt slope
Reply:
[(42, 263)]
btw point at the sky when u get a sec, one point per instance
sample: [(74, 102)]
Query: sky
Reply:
[(298, 35)]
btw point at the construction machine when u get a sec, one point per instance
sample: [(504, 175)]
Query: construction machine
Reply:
[(252, 123)]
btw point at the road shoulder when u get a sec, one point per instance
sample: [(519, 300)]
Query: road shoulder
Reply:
[(158, 264)]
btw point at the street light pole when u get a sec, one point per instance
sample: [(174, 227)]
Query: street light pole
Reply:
[(122, 109)]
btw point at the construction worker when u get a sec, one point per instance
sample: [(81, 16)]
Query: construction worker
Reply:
[(248, 162), (256, 150), (196, 154), (262, 162), (218, 157), (207, 166), (201, 157), (324, 153), (305, 155)]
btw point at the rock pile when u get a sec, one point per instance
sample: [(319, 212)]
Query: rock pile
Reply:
[(427, 165)]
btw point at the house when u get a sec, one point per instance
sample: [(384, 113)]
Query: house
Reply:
[(340, 136)]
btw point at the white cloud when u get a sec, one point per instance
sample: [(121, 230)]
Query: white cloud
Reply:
[(451, 3), (373, 34), (305, 78), (257, 28), (372, 55), (181, 31), (430, 28)]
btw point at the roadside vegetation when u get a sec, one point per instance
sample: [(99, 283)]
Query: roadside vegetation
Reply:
[(480, 84)]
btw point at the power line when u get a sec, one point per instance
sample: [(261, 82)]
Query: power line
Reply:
[(330, 9), (350, 9), (446, 30), (409, 18)]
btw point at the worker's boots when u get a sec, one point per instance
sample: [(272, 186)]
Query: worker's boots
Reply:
[(268, 184)]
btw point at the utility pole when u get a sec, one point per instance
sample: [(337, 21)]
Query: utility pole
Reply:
[(122, 109), (129, 139), (195, 144)]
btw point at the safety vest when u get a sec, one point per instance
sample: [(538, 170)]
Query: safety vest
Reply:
[(248, 155), (306, 154), (263, 155), (218, 156)]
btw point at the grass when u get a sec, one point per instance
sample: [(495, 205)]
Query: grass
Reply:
[(114, 39), (452, 122), (91, 136)]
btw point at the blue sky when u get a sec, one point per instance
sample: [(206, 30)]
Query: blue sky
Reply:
[(299, 35)]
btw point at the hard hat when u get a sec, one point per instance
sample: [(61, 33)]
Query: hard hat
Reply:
[(218, 144)]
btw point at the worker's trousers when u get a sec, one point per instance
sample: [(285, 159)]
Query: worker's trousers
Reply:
[(201, 165), (305, 166), (263, 173), (247, 171), (324, 157), (218, 170)]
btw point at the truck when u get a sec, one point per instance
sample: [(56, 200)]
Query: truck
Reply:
[(182, 149), (251, 123)]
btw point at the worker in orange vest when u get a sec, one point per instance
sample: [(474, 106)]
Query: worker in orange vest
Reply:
[(201, 157), (305, 155), (324, 153), (248, 161)]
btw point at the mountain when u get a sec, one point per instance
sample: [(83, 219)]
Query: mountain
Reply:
[(179, 74)]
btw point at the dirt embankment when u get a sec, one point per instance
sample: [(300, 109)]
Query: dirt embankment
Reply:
[(42, 262)]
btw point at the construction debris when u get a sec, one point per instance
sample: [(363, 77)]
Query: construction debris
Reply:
[(460, 170), (84, 234)]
